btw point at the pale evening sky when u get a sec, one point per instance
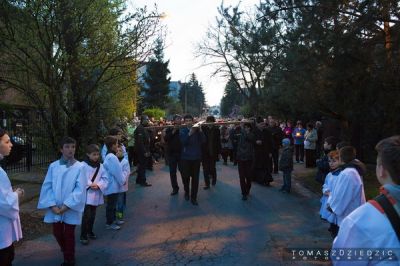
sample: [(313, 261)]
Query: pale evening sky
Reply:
[(187, 21)]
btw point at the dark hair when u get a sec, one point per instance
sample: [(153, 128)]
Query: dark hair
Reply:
[(310, 125), (187, 116), (109, 141), (176, 116), (249, 125), (333, 141), (259, 119), (144, 117), (210, 119), (92, 148), (114, 131), (389, 154), (2, 132), (333, 154), (66, 140), (342, 144), (347, 154)]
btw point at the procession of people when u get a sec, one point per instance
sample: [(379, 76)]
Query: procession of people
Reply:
[(72, 190)]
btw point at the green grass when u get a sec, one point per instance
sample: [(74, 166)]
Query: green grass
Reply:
[(371, 184)]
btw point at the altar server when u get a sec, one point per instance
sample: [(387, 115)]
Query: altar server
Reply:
[(10, 225), (63, 195)]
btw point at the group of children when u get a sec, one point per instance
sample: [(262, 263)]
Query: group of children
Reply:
[(72, 191)]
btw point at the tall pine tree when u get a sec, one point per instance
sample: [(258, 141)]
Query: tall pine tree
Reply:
[(192, 96), (156, 79)]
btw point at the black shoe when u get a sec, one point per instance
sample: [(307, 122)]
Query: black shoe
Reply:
[(186, 196), (194, 202), (244, 197), (174, 192), (206, 187), (92, 235), (145, 184), (84, 240), (65, 263)]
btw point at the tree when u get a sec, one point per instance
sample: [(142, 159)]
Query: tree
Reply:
[(70, 57), (156, 80), (192, 96), (232, 97)]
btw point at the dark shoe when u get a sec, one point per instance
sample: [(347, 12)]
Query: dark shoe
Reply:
[(235, 163), (194, 202), (244, 197), (186, 196), (174, 192), (145, 184), (214, 182), (92, 235), (84, 240), (68, 264), (206, 187)]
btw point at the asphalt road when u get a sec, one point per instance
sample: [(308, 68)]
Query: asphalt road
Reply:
[(223, 230)]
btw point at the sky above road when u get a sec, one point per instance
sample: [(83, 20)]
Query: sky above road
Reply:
[(187, 22)]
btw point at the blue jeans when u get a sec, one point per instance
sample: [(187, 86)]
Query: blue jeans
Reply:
[(287, 180), (121, 205)]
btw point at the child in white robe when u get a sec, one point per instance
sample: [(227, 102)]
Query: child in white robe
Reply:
[(10, 225), (121, 203), (118, 133), (96, 183), (348, 189), (368, 227), (63, 194), (116, 180)]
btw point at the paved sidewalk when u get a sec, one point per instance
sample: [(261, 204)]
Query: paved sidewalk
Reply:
[(223, 230)]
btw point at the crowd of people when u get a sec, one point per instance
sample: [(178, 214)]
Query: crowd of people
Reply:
[(72, 190)]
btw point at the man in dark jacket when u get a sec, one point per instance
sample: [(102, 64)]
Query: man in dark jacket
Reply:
[(210, 152), (277, 136), (173, 152), (262, 150), (245, 158), (142, 150), (192, 138)]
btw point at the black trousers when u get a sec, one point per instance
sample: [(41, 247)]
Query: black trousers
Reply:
[(111, 207), (310, 158), (7, 255), (131, 154), (275, 159), (245, 173), (299, 151), (174, 166), (190, 170), (143, 163), (209, 170), (89, 214)]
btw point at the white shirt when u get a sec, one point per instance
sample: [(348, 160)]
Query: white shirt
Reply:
[(126, 170), (104, 151), (95, 197), (10, 225), (347, 194), (115, 176), (64, 186), (366, 227)]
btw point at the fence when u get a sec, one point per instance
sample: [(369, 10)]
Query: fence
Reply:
[(31, 143)]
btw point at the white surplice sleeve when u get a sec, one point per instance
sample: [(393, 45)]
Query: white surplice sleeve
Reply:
[(77, 199), (8, 199), (103, 179), (47, 195)]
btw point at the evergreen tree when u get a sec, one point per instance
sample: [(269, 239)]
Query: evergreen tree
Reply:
[(232, 96), (156, 87), (192, 96)]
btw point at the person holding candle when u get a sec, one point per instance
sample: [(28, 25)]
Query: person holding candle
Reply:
[(298, 137)]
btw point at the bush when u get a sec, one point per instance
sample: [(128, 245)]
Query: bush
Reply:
[(156, 113)]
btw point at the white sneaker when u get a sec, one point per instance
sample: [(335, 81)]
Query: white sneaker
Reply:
[(112, 227), (119, 222)]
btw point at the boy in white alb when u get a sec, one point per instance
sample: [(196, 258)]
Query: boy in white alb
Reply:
[(10, 225), (96, 183), (118, 133), (116, 180), (348, 189), (121, 203), (369, 226), (63, 194)]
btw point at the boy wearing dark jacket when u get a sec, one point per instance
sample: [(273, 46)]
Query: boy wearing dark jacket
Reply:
[(286, 165)]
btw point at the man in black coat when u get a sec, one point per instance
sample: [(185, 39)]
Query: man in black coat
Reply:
[(210, 152), (142, 150), (277, 136), (262, 152), (173, 151)]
